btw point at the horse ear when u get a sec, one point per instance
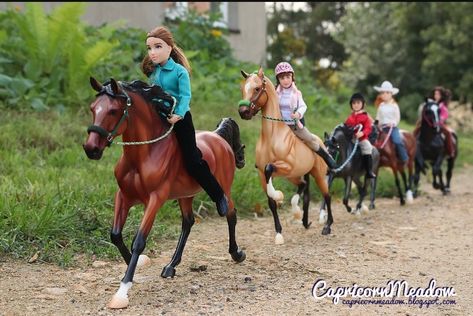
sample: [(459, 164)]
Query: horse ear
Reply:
[(326, 136), (95, 84), (244, 74), (260, 72), (114, 85)]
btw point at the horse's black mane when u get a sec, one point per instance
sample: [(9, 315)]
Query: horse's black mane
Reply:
[(153, 94)]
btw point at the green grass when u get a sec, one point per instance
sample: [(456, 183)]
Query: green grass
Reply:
[(57, 201)]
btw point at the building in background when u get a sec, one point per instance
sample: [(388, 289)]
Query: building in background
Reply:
[(246, 21)]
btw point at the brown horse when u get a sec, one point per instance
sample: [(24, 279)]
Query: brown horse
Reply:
[(389, 158), (279, 152), (151, 169)]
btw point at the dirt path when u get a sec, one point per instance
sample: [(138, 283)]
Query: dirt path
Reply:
[(430, 239)]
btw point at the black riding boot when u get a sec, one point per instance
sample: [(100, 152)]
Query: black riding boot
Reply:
[(368, 163), (327, 158)]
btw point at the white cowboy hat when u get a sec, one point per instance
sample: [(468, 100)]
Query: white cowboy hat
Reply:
[(387, 86)]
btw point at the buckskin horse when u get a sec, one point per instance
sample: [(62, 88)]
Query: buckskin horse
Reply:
[(151, 169), (279, 152), (431, 148)]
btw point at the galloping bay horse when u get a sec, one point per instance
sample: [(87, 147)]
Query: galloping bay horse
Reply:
[(279, 152), (151, 169)]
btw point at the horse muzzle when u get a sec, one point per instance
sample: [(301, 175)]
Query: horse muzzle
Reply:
[(92, 152), (245, 112)]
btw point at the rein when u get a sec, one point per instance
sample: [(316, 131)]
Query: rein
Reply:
[(350, 157), (387, 137), (110, 135)]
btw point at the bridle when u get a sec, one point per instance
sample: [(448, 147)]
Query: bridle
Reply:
[(106, 89), (251, 103)]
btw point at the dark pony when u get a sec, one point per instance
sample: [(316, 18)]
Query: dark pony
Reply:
[(431, 147), (340, 145), (151, 170)]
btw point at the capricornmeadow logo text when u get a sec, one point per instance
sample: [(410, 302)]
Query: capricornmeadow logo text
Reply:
[(393, 289)]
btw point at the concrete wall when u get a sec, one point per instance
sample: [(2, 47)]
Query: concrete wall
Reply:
[(247, 21)]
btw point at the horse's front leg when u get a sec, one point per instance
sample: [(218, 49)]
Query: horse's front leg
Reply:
[(437, 173), (122, 206), (271, 193), (323, 186), (373, 182), (322, 212), (346, 196), (156, 200), (305, 202), (361, 193), (187, 222), (398, 185), (450, 165)]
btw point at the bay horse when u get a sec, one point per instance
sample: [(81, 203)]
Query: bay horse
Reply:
[(151, 170), (339, 145), (279, 152), (389, 158), (431, 147)]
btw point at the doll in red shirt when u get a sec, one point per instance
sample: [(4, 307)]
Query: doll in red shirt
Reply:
[(360, 117)]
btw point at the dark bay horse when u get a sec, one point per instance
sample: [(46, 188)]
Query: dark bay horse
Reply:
[(279, 152), (151, 169), (340, 145), (431, 147), (389, 158)]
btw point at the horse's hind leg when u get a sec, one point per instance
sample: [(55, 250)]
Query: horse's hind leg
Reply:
[(323, 186), (407, 186), (237, 254), (187, 222), (122, 206), (361, 193)]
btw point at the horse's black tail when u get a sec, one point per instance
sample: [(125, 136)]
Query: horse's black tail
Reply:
[(228, 129)]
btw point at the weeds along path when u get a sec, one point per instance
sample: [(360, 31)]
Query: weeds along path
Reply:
[(430, 239)]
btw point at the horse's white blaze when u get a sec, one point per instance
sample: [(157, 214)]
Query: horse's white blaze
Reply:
[(279, 239), (98, 109), (247, 87), (409, 197), (323, 216)]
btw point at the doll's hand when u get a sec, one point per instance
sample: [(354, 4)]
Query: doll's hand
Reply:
[(174, 118), (296, 115), (359, 134)]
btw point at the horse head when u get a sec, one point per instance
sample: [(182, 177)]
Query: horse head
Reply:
[(338, 139), (431, 114), (112, 107), (254, 94)]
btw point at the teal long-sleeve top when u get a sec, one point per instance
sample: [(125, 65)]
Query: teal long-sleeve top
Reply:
[(174, 79)]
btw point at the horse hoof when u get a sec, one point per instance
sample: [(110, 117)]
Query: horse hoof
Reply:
[(349, 209), (239, 256), (307, 225), (403, 202), (168, 272), (279, 239), (118, 302), (297, 214), (326, 230), (143, 260), (372, 207)]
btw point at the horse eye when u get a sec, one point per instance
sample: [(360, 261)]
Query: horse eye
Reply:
[(112, 112), (257, 89)]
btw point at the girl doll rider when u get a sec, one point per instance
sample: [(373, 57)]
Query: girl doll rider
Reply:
[(293, 107)]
